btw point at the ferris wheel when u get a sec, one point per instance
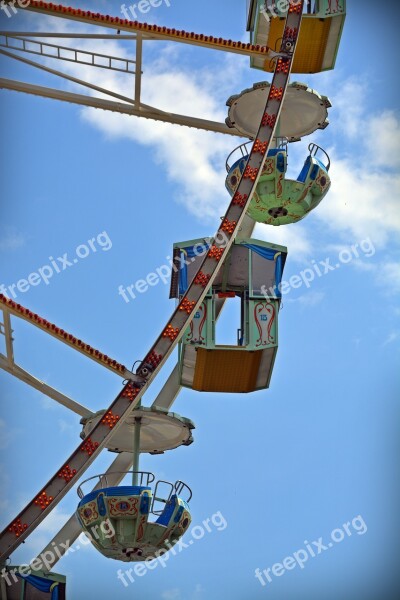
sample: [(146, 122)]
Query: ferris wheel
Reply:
[(145, 515)]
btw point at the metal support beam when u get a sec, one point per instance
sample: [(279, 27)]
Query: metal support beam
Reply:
[(148, 31), (118, 107), (136, 450), (48, 50), (138, 78), (3, 589), (42, 387), (8, 336), (91, 86), (11, 307), (81, 36)]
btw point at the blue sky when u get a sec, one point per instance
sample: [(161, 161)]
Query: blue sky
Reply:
[(284, 465)]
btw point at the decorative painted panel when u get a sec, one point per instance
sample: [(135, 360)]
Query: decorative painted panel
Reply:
[(263, 316), (123, 506), (88, 513), (197, 331)]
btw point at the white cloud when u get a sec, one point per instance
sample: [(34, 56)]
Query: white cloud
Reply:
[(383, 137), (54, 521), (176, 593), (295, 237), (198, 591), (362, 202), (194, 160), (349, 104), (379, 133), (392, 337), (10, 240), (361, 265), (66, 427), (173, 594), (7, 435), (388, 276), (308, 300), (47, 403), (35, 543), (364, 197)]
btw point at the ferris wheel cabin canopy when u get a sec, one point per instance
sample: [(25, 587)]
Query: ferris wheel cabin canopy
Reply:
[(319, 37), (253, 272)]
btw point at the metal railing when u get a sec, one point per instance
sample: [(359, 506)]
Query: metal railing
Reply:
[(175, 489), (314, 149), (179, 486), (82, 57), (282, 143), (145, 478), (241, 151)]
